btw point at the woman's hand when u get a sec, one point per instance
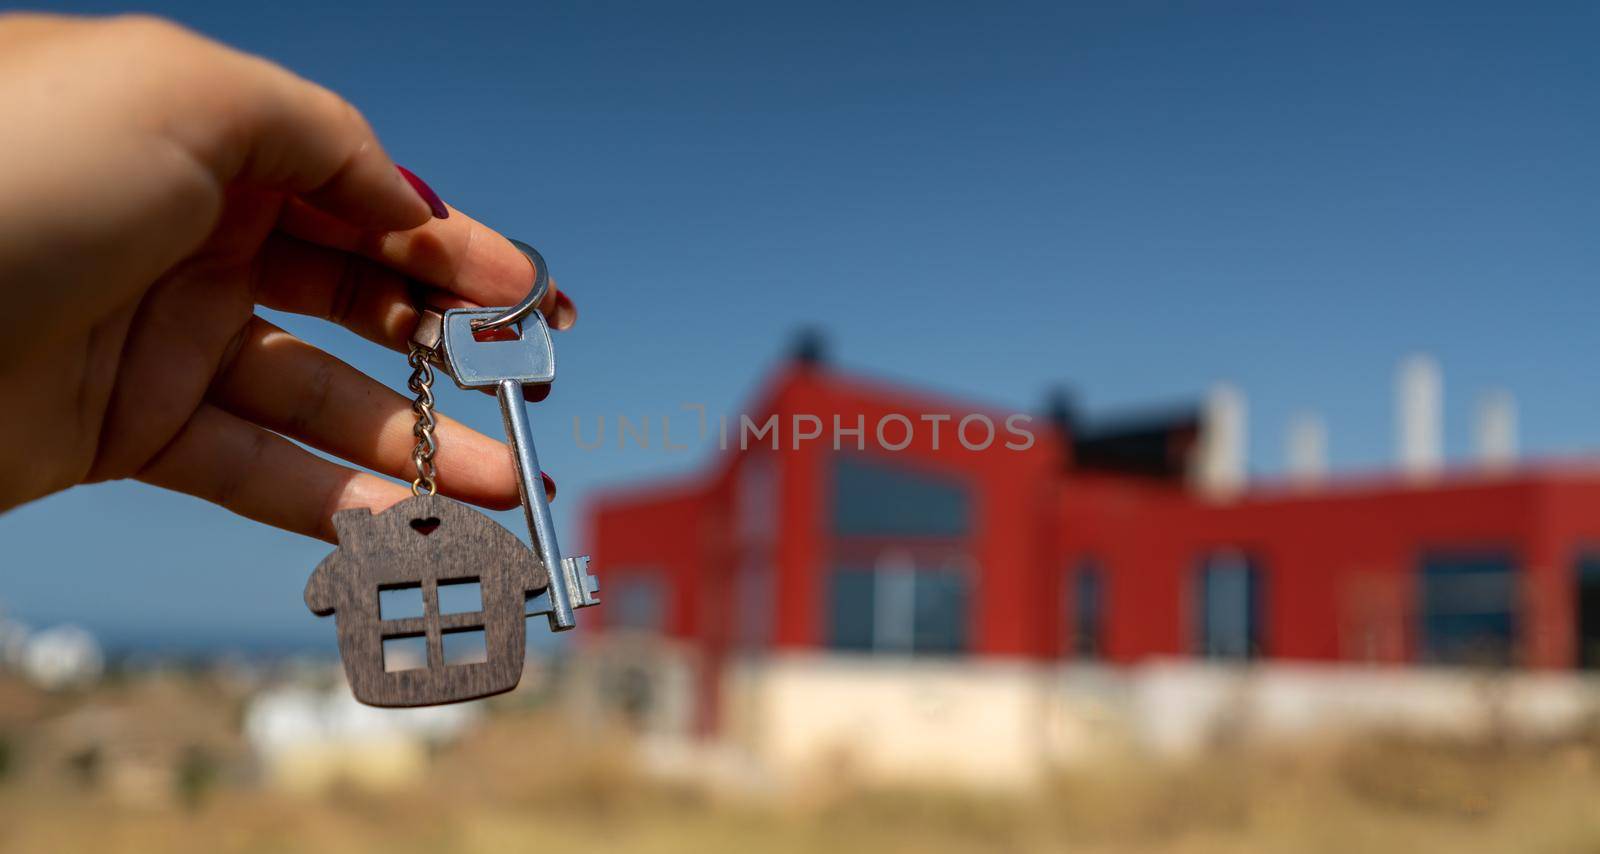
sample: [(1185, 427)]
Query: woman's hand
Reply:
[(155, 187)]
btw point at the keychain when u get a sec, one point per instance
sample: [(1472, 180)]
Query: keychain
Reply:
[(428, 542)]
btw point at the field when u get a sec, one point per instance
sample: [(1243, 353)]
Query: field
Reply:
[(489, 793)]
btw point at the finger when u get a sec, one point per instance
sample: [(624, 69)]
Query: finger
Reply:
[(369, 299), (366, 297), (363, 296), (290, 387), (260, 475), (271, 127), (459, 255)]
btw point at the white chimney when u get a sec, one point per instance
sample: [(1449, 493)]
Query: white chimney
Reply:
[(1496, 431), (1419, 406), (1220, 464), (1307, 449)]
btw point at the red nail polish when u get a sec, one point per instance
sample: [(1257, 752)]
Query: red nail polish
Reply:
[(566, 312), (435, 203), (549, 487)]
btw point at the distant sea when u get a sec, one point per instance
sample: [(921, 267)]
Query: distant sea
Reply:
[(157, 641)]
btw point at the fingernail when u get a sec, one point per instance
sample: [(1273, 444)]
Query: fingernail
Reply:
[(435, 203), (549, 487), (566, 313)]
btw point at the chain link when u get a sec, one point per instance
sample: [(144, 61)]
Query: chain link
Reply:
[(421, 385)]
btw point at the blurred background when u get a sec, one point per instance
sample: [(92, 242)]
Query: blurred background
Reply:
[(1068, 426)]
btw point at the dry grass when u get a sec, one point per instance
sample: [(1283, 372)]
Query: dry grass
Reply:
[(492, 794)]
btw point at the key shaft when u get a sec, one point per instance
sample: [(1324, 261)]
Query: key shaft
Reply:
[(535, 504)]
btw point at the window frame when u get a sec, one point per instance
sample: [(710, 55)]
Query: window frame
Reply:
[(1255, 605), (1076, 643), (893, 620), (1428, 562)]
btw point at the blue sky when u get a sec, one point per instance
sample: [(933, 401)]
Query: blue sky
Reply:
[(1134, 199)]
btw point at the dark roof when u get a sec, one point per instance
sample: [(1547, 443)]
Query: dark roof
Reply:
[(1157, 444)]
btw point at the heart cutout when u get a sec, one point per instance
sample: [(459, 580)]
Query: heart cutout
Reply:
[(425, 526)]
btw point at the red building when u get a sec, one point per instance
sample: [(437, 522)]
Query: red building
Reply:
[(1087, 541)]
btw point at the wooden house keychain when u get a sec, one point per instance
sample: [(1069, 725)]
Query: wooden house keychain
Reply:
[(428, 543)]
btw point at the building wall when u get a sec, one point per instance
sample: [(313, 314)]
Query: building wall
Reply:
[(658, 538), (1011, 492), (1340, 567), (795, 720), (891, 720), (1337, 566)]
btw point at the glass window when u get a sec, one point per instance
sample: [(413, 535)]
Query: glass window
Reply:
[(754, 605), (755, 500), (1230, 606), (755, 506), (897, 606), (635, 601), (852, 594), (1468, 608), (894, 601), (874, 499), (1083, 607), (1586, 603), (940, 621)]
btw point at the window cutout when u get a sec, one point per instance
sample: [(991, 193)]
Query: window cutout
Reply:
[(465, 646), (405, 653), (538, 603), (513, 332), (425, 526), (400, 603), (460, 596)]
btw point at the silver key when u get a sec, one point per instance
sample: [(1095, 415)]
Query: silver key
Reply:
[(518, 355)]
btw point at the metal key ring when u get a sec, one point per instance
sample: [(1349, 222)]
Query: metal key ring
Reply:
[(530, 303)]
